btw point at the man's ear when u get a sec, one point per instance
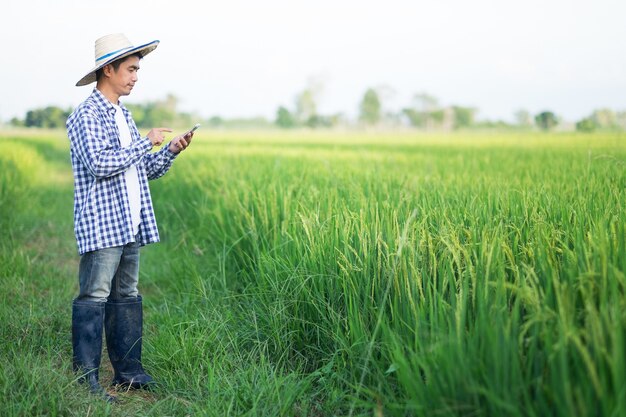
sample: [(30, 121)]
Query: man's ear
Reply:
[(107, 70)]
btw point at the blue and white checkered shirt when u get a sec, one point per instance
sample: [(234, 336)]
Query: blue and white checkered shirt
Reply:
[(101, 209)]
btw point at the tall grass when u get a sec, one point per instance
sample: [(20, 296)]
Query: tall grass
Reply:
[(357, 275)]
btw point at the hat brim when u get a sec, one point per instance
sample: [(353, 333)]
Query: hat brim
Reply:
[(142, 49)]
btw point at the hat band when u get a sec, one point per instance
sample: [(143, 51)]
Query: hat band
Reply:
[(113, 53)]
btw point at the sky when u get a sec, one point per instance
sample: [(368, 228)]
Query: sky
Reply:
[(241, 58)]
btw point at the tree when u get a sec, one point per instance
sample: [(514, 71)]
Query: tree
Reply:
[(305, 105), (523, 118), (337, 119), (34, 118), (306, 101), (620, 119), (370, 107), (16, 122), (427, 107), (604, 118), (49, 117), (155, 113), (416, 118), (437, 116), (319, 121), (586, 125), (425, 102), (463, 116), (216, 121), (139, 113), (546, 120), (284, 118)]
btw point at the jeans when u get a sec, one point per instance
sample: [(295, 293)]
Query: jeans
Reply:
[(109, 273)]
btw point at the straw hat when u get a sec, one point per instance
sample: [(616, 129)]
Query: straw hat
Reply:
[(110, 48)]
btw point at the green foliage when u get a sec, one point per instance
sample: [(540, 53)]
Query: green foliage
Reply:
[(586, 125), (305, 113), (15, 122), (523, 118), (425, 102), (316, 274), (484, 300), (426, 113), (48, 117), (216, 121), (415, 117), (604, 118), (370, 108), (161, 113), (306, 107), (284, 118), (437, 116), (319, 121), (154, 113), (463, 116), (494, 124), (546, 120)]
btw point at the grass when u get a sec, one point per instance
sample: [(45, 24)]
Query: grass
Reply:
[(315, 274)]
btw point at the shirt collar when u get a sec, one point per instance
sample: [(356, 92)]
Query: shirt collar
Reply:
[(105, 104)]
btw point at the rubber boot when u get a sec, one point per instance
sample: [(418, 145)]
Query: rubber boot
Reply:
[(87, 320), (124, 327)]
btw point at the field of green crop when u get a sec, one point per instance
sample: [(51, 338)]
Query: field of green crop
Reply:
[(321, 274)]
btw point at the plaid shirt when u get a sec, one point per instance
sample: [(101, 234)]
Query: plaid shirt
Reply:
[(101, 209)]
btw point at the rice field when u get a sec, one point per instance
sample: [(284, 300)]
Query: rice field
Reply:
[(347, 274)]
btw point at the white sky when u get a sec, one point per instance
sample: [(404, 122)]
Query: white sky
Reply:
[(245, 58)]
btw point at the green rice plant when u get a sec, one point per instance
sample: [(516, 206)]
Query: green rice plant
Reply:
[(337, 274)]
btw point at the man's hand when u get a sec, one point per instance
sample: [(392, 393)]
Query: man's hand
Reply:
[(156, 135), (180, 143)]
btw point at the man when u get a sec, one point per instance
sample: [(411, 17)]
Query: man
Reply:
[(113, 214)]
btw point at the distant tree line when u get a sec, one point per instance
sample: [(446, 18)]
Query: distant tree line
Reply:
[(602, 119), (147, 115), (305, 112), (424, 112), (48, 117)]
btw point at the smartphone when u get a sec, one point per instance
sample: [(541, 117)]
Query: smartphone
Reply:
[(193, 129)]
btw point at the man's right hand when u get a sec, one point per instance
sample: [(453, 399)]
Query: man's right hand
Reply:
[(156, 135)]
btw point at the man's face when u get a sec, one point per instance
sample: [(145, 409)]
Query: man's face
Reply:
[(123, 80)]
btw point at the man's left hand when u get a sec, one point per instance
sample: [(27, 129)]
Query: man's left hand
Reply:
[(180, 143)]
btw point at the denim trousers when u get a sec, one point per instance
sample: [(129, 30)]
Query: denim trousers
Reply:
[(109, 273)]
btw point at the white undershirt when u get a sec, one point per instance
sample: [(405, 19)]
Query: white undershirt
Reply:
[(131, 175)]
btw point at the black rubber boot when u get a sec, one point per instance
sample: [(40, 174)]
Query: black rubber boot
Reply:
[(87, 320), (124, 325)]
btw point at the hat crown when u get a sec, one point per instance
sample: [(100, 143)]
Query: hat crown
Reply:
[(110, 45)]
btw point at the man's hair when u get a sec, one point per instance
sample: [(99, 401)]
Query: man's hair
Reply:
[(116, 65)]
